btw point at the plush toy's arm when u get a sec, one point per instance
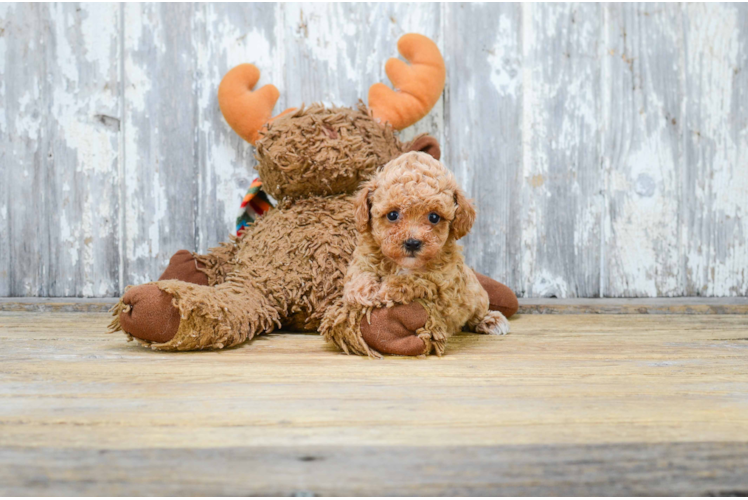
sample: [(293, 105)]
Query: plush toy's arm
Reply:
[(500, 297), (387, 330)]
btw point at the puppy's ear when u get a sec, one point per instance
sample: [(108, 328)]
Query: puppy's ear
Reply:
[(362, 207), (464, 215)]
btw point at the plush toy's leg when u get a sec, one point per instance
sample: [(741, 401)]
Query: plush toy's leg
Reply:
[(183, 266), (176, 316), (210, 269), (146, 313), (500, 297)]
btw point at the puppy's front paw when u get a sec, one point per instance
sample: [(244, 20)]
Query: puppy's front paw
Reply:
[(404, 290), (390, 294), (362, 289), (494, 323)]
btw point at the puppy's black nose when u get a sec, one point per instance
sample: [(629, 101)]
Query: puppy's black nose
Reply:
[(412, 245)]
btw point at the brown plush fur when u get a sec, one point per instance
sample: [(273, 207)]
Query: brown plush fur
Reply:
[(413, 199), (317, 151), (288, 267)]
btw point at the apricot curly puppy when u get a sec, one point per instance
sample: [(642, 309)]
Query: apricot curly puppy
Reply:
[(409, 218)]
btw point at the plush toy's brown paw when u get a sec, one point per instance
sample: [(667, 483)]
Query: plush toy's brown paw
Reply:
[(393, 329), (184, 267), (500, 297), (148, 314)]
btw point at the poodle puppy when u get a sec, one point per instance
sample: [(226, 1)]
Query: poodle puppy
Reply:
[(409, 217)]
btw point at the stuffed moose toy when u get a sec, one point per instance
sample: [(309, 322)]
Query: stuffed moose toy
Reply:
[(287, 268)]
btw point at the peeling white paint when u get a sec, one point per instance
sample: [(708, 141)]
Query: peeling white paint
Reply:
[(4, 14), (320, 37), (69, 237), (85, 105), (643, 151), (641, 217), (27, 123), (138, 84), (560, 126), (529, 234), (503, 58), (97, 31), (544, 284), (717, 46)]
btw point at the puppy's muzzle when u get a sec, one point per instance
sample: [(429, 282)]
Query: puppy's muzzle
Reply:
[(412, 245)]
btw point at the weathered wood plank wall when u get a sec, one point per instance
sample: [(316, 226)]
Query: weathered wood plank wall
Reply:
[(606, 145)]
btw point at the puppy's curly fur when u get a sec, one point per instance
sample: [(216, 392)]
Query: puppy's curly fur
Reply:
[(409, 217)]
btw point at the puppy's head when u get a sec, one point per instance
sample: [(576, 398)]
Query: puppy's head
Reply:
[(412, 208)]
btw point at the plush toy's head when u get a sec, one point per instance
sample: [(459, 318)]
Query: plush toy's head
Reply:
[(324, 151)]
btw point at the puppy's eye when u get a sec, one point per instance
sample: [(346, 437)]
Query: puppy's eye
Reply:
[(393, 216), (434, 218)]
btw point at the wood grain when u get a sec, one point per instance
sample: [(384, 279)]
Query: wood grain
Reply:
[(483, 143), (573, 379), (561, 208), (715, 184), (160, 120), (643, 160), (641, 469), (604, 144), (595, 404), (59, 149)]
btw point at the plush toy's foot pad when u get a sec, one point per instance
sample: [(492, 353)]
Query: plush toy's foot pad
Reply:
[(393, 329), (148, 314), (184, 267), (500, 297)]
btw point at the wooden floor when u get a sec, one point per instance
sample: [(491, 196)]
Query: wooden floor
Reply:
[(566, 404)]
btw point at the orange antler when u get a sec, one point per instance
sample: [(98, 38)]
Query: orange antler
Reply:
[(247, 112), (418, 85)]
